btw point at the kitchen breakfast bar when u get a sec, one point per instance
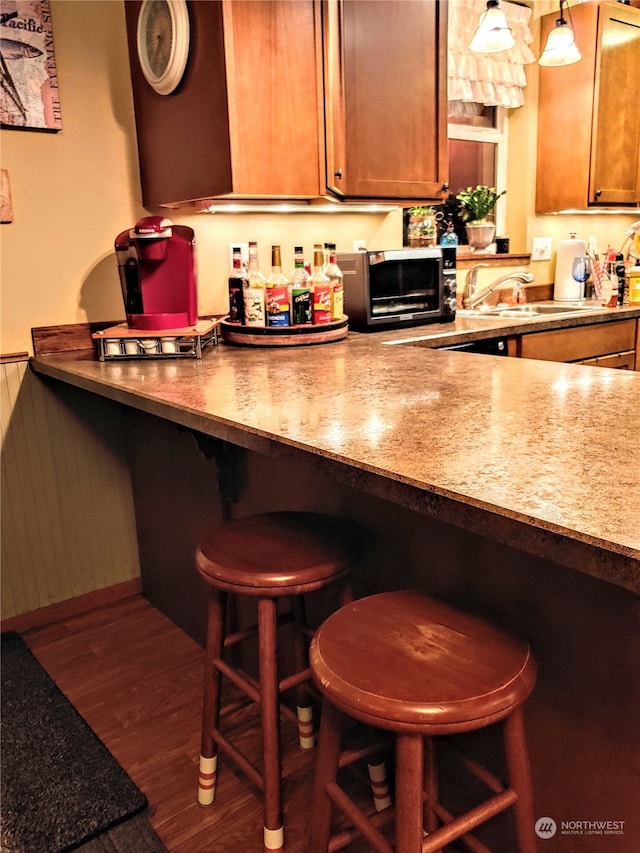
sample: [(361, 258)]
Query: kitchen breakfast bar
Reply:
[(503, 484)]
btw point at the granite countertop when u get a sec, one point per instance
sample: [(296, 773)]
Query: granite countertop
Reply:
[(540, 455), (472, 326)]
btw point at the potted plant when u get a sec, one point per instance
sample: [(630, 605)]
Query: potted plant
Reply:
[(477, 203), (421, 230)]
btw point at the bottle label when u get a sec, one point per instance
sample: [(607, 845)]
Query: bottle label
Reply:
[(278, 308), (322, 303), (337, 301), (254, 313), (236, 302), (301, 304)]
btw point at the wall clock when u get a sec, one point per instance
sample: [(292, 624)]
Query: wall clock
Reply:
[(163, 43)]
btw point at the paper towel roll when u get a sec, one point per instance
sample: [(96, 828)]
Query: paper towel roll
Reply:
[(565, 287)]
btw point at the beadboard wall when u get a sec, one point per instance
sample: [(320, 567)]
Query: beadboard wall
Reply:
[(67, 514)]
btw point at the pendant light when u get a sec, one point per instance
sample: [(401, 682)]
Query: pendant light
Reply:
[(561, 47), (493, 33)]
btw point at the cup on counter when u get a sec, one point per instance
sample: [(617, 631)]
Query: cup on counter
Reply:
[(168, 345), (131, 347), (112, 346)]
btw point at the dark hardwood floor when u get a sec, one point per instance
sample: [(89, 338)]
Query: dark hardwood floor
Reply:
[(137, 680)]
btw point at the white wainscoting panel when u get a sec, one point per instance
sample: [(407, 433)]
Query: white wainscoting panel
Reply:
[(68, 522)]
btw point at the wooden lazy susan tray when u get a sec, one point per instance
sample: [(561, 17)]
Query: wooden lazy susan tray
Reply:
[(283, 336)]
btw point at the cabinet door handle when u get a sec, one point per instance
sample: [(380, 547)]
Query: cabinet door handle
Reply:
[(598, 193), (445, 187), (338, 174)]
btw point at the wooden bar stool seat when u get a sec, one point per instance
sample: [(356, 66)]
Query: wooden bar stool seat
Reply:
[(271, 556), (418, 668)]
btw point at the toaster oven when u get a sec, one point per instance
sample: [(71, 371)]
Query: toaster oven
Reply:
[(399, 287)]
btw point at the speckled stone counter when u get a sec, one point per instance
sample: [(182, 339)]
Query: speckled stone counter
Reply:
[(474, 326), (543, 456)]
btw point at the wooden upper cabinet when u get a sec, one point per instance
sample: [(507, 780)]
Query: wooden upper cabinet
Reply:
[(385, 83), (246, 119), (588, 114)]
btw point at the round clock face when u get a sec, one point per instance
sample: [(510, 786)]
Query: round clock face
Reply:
[(163, 43)]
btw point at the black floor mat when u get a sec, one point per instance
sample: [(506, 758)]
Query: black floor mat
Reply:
[(60, 784)]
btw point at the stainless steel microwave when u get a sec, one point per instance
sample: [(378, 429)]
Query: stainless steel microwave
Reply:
[(399, 287)]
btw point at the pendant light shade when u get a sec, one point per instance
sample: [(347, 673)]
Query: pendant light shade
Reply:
[(561, 47), (493, 33)]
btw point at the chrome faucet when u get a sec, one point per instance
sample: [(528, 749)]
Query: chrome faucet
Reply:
[(472, 299)]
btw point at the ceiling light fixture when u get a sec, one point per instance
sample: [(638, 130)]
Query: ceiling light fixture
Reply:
[(561, 47), (493, 33)]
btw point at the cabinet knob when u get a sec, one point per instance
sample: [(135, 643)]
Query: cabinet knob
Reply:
[(445, 187), (598, 193), (338, 174)]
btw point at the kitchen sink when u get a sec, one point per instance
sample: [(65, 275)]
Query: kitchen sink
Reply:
[(532, 309)]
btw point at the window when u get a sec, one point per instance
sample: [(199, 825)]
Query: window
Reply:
[(478, 153), (478, 133)]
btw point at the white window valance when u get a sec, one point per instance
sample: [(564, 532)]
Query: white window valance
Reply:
[(496, 79)]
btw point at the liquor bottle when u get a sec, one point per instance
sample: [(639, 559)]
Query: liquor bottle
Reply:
[(621, 275), (300, 290), (449, 238), (327, 255), (336, 280), (634, 285), (237, 282), (277, 293), (254, 292), (321, 288), (610, 281)]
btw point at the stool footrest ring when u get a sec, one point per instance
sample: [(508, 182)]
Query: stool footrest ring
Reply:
[(459, 826), (366, 826), (240, 759)]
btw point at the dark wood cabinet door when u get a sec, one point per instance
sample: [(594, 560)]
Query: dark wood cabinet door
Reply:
[(245, 121), (588, 116), (615, 177), (385, 98), (581, 343)]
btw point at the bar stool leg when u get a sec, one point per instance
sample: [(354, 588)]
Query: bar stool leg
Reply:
[(346, 593), (217, 615), (326, 770), (519, 770), (378, 779), (270, 710), (409, 780), (304, 710), (431, 822)]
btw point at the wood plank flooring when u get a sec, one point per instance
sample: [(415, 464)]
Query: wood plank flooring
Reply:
[(137, 680)]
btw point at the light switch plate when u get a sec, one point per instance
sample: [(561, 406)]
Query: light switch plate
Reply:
[(541, 248)]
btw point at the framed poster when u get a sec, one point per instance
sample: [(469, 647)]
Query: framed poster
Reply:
[(29, 92)]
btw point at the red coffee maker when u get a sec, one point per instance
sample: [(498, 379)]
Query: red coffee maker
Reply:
[(156, 263)]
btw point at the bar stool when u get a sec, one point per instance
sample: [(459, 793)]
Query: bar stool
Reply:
[(271, 556), (417, 668)]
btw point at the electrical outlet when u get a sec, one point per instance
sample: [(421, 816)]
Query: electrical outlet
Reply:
[(541, 249), (244, 248)]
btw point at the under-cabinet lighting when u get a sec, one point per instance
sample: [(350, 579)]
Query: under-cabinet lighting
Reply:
[(294, 207), (616, 211)]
